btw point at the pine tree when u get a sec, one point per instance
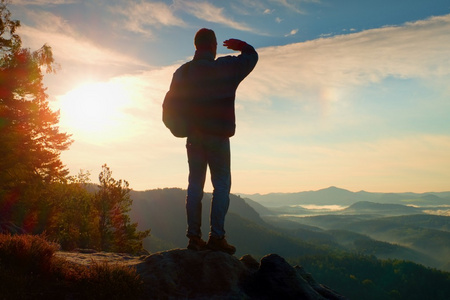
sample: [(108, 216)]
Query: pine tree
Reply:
[(113, 203), (30, 140)]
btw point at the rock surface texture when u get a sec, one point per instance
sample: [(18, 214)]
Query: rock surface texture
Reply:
[(187, 274)]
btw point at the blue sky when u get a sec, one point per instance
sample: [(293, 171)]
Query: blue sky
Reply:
[(348, 93)]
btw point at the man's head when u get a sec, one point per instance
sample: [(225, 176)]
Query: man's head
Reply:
[(205, 39)]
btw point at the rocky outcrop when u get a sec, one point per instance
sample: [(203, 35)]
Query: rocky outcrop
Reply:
[(186, 274), (201, 275)]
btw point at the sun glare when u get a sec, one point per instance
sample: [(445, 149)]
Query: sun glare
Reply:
[(95, 111)]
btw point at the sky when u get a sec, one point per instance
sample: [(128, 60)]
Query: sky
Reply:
[(346, 93)]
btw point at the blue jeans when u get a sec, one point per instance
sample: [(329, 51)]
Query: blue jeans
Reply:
[(204, 151)]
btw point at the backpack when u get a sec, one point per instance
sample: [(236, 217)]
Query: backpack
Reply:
[(177, 107)]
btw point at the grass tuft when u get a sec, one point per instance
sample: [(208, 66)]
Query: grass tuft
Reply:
[(30, 270), (26, 252)]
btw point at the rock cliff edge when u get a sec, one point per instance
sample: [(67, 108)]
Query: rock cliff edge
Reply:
[(187, 274)]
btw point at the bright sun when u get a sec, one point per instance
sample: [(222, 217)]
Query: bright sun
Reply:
[(95, 111)]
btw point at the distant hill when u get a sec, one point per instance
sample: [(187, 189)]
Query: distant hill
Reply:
[(291, 210), (366, 207), (422, 233), (364, 244), (334, 195), (331, 195), (260, 209), (415, 235), (163, 211)]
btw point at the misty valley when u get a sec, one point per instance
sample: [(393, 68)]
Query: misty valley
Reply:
[(345, 239)]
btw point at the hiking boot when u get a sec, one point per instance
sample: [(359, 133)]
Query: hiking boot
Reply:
[(220, 244), (196, 243)]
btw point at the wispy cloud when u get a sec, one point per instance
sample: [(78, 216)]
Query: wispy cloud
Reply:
[(142, 17), (414, 50), (292, 32), (67, 44), (42, 2), (211, 13), (48, 22), (291, 6), (250, 7)]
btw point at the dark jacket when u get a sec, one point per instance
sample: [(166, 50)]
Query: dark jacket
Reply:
[(212, 85)]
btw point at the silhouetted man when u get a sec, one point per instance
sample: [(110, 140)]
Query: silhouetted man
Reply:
[(212, 83)]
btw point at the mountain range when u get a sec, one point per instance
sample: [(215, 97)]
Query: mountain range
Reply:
[(334, 195)]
